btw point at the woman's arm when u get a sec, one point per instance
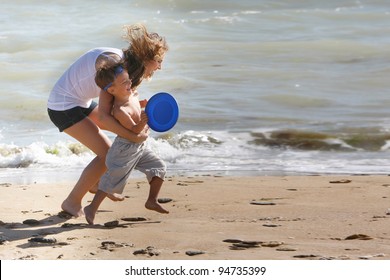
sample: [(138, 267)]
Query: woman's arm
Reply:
[(108, 122)]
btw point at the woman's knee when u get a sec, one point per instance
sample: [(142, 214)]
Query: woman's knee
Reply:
[(87, 133)]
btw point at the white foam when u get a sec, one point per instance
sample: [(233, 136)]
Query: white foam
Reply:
[(41, 154)]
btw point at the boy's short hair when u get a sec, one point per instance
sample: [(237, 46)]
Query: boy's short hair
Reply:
[(106, 75)]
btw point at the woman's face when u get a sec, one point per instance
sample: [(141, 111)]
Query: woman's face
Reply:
[(151, 66)]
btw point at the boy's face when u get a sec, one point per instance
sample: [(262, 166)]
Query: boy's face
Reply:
[(121, 84)]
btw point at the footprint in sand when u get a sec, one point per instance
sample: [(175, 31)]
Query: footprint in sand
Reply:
[(31, 222), (134, 219), (238, 244), (194, 253), (164, 200), (358, 237), (262, 203), (308, 256), (150, 251), (111, 224), (111, 245), (50, 240), (342, 181)]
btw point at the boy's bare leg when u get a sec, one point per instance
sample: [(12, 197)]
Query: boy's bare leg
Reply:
[(91, 209), (112, 196), (151, 203)]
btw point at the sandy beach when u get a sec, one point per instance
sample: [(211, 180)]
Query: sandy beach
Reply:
[(211, 218)]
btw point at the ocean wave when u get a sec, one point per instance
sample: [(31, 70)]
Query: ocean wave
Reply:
[(213, 148), (191, 153), (316, 141)]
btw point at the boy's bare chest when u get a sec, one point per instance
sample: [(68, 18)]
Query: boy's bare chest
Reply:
[(131, 107)]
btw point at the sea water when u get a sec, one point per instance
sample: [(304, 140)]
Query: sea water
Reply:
[(264, 87)]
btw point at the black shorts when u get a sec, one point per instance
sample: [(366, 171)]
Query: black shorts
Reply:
[(67, 118)]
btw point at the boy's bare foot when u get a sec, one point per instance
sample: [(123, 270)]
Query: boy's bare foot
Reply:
[(154, 206), (72, 208), (112, 196), (89, 215), (115, 196)]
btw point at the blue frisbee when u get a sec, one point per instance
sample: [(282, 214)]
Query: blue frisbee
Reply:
[(162, 111)]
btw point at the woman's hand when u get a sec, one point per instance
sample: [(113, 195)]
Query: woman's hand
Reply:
[(143, 103), (143, 135)]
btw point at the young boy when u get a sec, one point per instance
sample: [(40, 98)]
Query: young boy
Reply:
[(124, 155)]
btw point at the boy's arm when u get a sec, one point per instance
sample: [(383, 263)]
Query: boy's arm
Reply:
[(127, 121)]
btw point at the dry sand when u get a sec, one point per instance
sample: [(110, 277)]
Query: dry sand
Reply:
[(233, 218)]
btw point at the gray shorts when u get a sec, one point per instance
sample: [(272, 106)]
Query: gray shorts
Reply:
[(125, 156)]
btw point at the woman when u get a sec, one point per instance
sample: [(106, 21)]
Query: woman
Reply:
[(72, 109)]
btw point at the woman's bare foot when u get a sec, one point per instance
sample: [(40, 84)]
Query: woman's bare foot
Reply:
[(89, 214), (72, 208), (154, 206)]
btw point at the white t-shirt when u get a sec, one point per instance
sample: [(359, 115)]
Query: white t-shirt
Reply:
[(77, 86)]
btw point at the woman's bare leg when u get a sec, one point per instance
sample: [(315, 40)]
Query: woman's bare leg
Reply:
[(89, 134)]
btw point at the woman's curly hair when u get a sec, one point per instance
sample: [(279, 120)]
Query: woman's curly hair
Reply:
[(143, 47)]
